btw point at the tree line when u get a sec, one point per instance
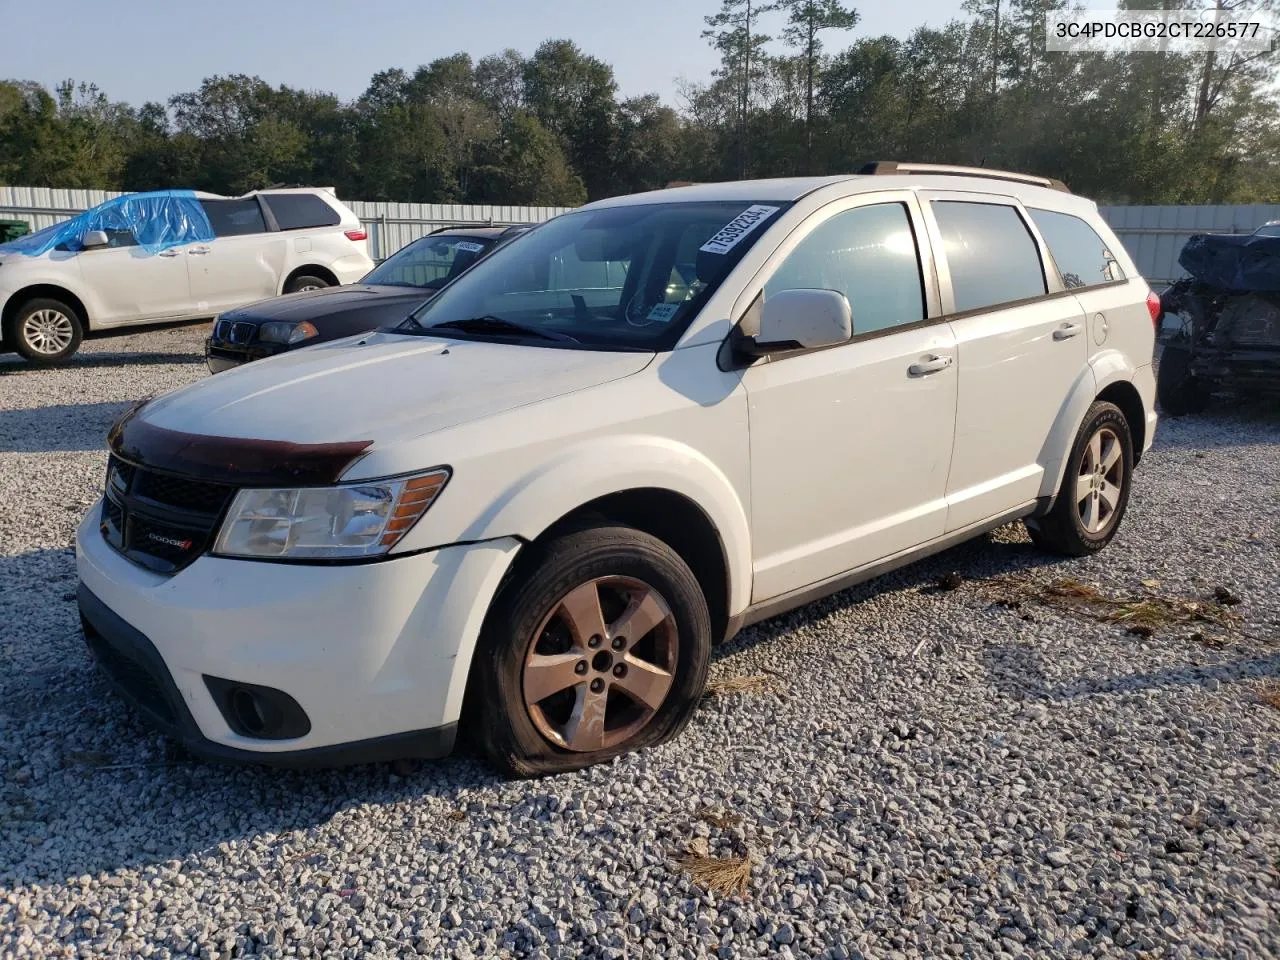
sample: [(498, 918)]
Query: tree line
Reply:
[(796, 92)]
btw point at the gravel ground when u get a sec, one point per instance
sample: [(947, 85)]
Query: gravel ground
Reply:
[(927, 773)]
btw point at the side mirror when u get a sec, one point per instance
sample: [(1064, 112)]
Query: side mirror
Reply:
[(94, 238), (801, 320)]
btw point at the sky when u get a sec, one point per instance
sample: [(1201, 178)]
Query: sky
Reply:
[(139, 50)]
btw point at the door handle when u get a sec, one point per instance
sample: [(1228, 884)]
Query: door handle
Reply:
[(168, 253), (198, 251), (1068, 330), (928, 365)]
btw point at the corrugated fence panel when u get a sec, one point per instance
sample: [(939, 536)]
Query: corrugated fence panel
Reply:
[(1153, 235), (390, 225)]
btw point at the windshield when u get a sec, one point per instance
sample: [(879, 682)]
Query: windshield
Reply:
[(1268, 230), (630, 277), (430, 262)]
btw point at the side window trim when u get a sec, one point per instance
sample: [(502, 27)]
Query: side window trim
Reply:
[(753, 290), (273, 225), (1054, 287)]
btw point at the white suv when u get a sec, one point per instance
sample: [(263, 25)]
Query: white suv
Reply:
[(171, 255), (540, 501)]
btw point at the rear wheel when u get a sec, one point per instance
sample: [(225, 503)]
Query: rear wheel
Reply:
[(45, 331), (599, 646), (306, 281), (1095, 487), (1179, 391)]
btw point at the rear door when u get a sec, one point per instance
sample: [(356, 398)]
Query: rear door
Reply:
[(132, 285), (241, 264), (1022, 345)]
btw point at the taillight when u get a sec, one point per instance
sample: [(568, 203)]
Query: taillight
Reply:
[(1154, 308), (360, 234)]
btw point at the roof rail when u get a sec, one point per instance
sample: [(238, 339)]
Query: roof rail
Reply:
[(888, 168)]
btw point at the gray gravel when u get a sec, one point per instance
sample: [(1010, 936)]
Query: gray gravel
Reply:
[(934, 775)]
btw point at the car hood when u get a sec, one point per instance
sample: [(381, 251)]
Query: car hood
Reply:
[(316, 304), (380, 388)]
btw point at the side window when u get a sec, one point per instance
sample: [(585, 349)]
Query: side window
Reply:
[(232, 218), (121, 238), (868, 254), (1081, 256), (992, 257), (301, 211)]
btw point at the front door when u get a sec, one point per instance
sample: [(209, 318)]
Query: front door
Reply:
[(131, 284), (850, 445)]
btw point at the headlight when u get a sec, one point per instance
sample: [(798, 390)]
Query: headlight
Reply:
[(364, 519), (283, 331)]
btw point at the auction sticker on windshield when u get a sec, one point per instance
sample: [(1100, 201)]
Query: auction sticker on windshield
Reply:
[(470, 247), (731, 234)]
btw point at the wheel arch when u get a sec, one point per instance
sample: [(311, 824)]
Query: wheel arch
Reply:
[(36, 290), (313, 269)]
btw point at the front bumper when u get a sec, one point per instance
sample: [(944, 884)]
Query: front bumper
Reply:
[(222, 355), (375, 654)]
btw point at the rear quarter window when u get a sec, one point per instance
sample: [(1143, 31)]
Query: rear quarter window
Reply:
[(301, 211), (1083, 259), (990, 254)]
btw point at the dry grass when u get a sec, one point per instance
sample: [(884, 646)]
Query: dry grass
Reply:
[(728, 876), (1143, 613), (746, 683), (1269, 694), (720, 818)]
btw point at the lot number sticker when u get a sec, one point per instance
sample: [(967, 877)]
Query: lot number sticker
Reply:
[(731, 234), (470, 247), (663, 312)]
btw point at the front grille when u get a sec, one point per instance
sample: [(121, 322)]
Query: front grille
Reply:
[(158, 520), (235, 331)]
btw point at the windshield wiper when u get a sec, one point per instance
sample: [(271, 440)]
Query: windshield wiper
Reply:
[(492, 324)]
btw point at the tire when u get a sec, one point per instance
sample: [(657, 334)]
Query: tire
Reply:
[(1179, 391), (306, 281), (1077, 527), (45, 331), (525, 693)]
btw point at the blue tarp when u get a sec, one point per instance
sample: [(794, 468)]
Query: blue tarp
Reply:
[(1238, 264), (158, 220)]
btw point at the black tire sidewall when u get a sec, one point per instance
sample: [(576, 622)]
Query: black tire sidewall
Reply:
[(549, 571), (1101, 414), (295, 285), (13, 335)]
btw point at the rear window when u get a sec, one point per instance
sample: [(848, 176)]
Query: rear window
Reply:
[(1083, 259), (301, 211), (233, 218), (991, 254)]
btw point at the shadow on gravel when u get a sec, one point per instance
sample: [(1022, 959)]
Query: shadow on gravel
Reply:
[(1018, 672), (986, 556), (58, 427), (18, 367)]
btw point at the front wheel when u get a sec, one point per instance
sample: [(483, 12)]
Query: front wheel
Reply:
[(598, 646), (1095, 487), (45, 331)]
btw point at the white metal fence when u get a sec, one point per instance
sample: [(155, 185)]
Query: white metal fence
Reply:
[(390, 225), (1153, 235)]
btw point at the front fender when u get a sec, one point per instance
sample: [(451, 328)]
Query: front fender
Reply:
[(598, 467), (1104, 369)]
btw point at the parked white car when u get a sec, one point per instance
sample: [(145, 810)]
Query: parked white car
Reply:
[(615, 441), (171, 255)]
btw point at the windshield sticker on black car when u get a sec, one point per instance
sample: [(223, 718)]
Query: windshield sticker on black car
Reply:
[(663, 312), (470, 247), (731, 234)]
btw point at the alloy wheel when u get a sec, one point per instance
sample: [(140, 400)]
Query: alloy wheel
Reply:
[(1100, 482), (48, 332), (600, 664)]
